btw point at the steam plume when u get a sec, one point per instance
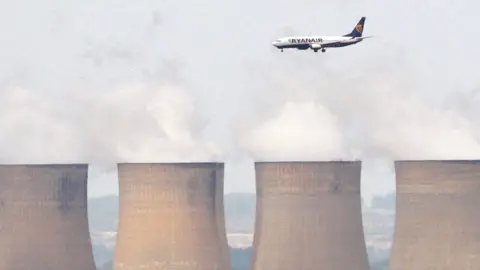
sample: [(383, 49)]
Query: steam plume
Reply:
[(88, 84), (331, 114), (134, 123), (298, 131)]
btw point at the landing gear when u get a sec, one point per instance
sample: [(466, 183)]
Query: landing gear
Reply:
[(316, 50), (281, 50)]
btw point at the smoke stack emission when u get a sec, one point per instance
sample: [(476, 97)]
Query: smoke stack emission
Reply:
[(361, 110), (43, 218), (308, 216), (104, 127), (298, 131)]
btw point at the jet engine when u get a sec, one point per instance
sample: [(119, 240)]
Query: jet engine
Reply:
[(316, 46)]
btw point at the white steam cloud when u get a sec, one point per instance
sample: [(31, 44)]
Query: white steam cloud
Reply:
[(133, 123), (403, 126), (30, 128), (73, 88), (90, 83), (298, 131), (288, 120), (323, 114)]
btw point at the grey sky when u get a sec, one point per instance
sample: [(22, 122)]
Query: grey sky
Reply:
[(104, 81)]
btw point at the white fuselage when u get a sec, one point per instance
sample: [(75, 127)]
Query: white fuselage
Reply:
[(315, 42)]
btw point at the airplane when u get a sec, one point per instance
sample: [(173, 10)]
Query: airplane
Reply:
[(322, 42)]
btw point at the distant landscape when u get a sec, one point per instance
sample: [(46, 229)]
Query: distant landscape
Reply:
[(378, 220)]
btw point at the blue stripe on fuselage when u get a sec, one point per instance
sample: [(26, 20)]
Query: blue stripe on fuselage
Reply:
[(340, 44), (295, 46), (307, 46)]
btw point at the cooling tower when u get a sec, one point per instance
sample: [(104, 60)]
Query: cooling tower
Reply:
[(171, 217), (43, 218), (437, 223), (308, 216)]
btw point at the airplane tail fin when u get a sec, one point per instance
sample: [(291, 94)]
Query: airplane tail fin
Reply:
[(358, 30)]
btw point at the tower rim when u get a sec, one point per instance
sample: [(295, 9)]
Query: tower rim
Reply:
[(310, 162), (170, 163), (436, 160)]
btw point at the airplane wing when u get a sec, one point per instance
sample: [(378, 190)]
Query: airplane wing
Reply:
[(360, 38), (365, 37), (328, 42)]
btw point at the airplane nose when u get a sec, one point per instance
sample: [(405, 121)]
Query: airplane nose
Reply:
[(275, 43)]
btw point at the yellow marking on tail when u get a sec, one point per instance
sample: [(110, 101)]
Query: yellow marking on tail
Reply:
[(359, 28)]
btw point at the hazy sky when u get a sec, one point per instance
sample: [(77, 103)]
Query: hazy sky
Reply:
[(109, 81)]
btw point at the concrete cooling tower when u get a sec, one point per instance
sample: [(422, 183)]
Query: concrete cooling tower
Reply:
[(308, 217), (43, 218), (171, 217), (437, 223)]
